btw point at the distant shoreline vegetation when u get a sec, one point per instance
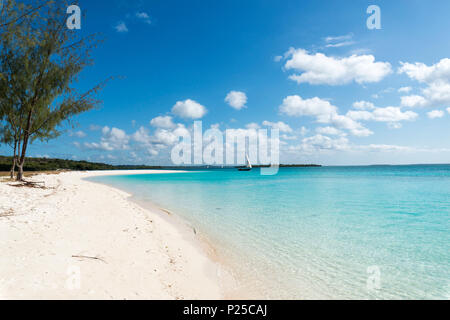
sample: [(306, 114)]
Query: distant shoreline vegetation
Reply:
[(47, 164)]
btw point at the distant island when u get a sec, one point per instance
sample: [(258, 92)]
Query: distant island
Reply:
[(48, 164)]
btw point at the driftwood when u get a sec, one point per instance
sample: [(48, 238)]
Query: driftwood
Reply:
[(30, 184), (8, 213), (88, 257), (166, 211)]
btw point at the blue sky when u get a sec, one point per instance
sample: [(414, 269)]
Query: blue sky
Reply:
[(341, 93)]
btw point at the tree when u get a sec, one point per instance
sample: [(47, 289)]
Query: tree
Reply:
[(10, 14), (41, 60), (25, 10), (9, 135)]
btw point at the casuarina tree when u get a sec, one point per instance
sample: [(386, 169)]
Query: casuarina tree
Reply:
[(41, 60)]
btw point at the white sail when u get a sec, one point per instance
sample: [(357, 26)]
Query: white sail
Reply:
[(249, 165)]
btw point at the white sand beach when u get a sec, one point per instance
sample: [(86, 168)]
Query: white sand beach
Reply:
[(81, 240)]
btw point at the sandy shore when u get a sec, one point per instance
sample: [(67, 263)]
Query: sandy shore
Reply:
[(81, 240)]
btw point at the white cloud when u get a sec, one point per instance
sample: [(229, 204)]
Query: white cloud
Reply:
[(297, 106), (360, 115), (277, 58), (321, 69), (116, 138), (303, 131), (363, 105), (121, 27), (339, 41), (393, 114), (236, 99), (280, 125), (166, 137), (164, 122), (394, 125), (413, 101), (324, 113), (448, 110), (288, 137), (112, 139), (319, 143), (384, 148), (189, 109), (252, 125), (142, 145), (142, 136), (405, 89), (78, 134), (438, 93), (340, 44), (161, 138), (439, 72), (331, 131), (339, 38), (94, 127), (144, 17), (435, 114), (324, 142), (327, 113), (344, 122), (437, 79), (388, 114)]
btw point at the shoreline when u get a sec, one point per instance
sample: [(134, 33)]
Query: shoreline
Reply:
[(235, 285), (84, 240), (229, 283)]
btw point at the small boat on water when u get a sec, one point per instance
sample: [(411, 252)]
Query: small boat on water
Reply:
[(249, 165)]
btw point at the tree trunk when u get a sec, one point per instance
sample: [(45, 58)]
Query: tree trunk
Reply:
[(13, 167), (26, 136), (19, 172), (14, 159), (20, 164)]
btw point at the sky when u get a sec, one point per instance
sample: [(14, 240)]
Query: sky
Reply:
[(339, 92)]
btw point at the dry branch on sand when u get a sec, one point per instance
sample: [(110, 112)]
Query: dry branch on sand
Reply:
[(88, 257), (30, 184), (7, 213)]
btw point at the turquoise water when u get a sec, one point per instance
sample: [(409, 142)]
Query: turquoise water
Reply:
[(318, 232)]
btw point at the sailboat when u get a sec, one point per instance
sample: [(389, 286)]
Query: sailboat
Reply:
[(249, 165)]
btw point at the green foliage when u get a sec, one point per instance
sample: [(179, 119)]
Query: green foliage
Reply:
[(44, 164), (40, 62)]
